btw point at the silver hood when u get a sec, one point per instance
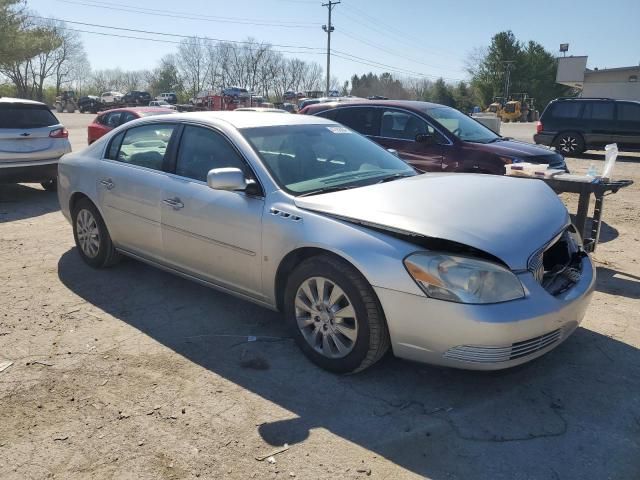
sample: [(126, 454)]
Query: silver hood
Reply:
[(509, 218)]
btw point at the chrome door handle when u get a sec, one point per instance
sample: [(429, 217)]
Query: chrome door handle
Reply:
[(173, 202), (108, 183)]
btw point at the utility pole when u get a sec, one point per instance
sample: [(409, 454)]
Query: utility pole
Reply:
[(508, 64), (329, 28)]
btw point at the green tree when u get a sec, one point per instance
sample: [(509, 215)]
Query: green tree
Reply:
[(442, 93), (463, 97), (533, 71)]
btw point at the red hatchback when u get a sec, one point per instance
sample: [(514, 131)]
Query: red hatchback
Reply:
[(111, 119)]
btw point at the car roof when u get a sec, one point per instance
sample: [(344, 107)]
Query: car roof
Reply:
[(20, 100), (249, 119), (139, 109), (408, 104)]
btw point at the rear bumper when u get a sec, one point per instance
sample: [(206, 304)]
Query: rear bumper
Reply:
[(485, 337), (35, 171), (544, 139)]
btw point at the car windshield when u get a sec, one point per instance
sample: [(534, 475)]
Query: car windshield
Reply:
[(462, 126), (307, 159), (22, 115)]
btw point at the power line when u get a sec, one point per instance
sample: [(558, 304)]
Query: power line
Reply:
[(307, 50), (395, 37), (150, 32), (383, 49), (187, 16), (375, 63), (173, 42)]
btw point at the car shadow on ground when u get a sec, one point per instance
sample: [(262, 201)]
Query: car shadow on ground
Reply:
[(570, 414), (616, 282), (20, 201), (599, 155)]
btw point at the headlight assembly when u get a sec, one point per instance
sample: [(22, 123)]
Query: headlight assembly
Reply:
[(462, 279)]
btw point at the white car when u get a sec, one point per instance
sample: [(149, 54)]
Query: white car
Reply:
[(163, 104), (168, 97), (32, 140), (111, 97)]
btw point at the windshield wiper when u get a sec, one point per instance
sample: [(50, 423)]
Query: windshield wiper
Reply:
[(395, 176), (337, 188), (500, 139)]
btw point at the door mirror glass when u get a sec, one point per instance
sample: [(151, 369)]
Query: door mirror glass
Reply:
[(230, 179)]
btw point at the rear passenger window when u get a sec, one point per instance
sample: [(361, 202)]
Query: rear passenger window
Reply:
[(598, 111), (145, 146), (360, 119), (629, 112), (567, 110)]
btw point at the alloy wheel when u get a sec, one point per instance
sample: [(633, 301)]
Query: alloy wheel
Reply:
[(568, 144), (88, 233), (326, 317)]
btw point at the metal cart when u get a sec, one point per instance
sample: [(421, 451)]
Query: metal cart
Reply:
[(586, 187)]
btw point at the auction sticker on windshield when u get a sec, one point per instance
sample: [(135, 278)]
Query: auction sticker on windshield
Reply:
[(339, 129)]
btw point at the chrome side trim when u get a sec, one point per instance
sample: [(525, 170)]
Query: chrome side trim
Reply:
[(199, 280), (209, 240)]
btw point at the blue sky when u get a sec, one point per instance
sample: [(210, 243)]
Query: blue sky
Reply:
[(433, 38)]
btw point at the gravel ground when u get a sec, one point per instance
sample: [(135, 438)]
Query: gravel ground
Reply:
[(134, 373)]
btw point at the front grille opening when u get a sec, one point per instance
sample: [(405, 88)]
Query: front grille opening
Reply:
[(561, 265)]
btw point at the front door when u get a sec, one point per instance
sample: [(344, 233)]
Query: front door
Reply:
[(213, 234), (398, 130), (129, 187)]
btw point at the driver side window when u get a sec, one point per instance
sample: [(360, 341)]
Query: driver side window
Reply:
[(403, 126)]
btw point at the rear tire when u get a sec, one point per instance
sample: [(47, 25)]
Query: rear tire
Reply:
[(92, 237), (569, 143), (50, 185), (342, 328)]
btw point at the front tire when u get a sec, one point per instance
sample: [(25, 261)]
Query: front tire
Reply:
[(92, 237), (335, 316), (569, 143)]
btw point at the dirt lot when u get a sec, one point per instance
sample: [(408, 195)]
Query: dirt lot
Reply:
[(134, 373)]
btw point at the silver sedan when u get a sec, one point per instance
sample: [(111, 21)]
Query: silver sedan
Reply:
[(360, 253)]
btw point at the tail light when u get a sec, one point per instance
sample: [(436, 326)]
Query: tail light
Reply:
[(539, 127), (59, 133)]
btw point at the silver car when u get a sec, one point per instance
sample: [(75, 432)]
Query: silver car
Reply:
[(31, 142), (303, 215)]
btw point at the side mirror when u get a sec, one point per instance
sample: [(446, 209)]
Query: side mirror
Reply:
[(393, 151), (230, 179), (427, 138)]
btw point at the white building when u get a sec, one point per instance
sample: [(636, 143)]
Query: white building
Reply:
[(619, 83)]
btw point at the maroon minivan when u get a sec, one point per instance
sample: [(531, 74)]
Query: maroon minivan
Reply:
[(433, 137)]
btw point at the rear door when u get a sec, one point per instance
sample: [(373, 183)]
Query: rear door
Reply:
[(24, 133), (628, 125), (398, 130), (130, 182)]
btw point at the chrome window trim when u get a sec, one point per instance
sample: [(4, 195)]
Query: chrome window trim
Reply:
[(400, 109)]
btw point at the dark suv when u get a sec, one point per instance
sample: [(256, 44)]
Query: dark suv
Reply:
[(433, 137), (136, 97), (574, 125)]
